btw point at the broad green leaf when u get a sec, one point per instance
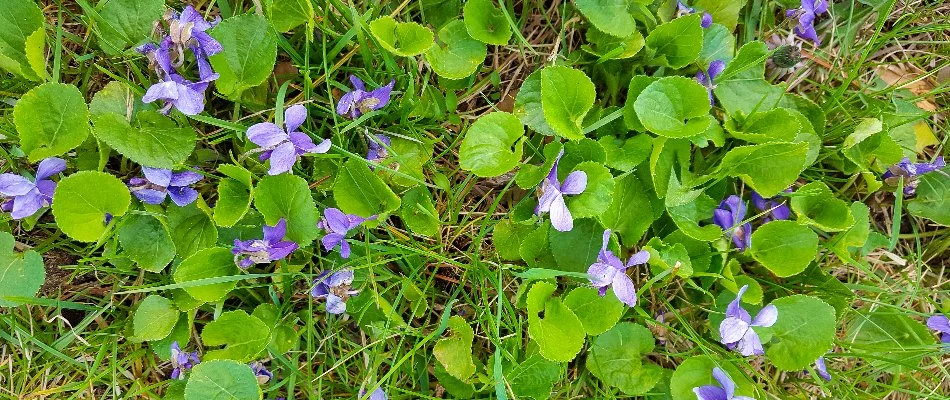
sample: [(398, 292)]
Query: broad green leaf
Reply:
[(530, 175), (816, 205), (784, 247), (82, 201), (455, 54), (608, 16), (359, 191), (741, 89), (250, 51), (234, 200), (20, 275), (181, 333), (776, 125), (116, 98), (492, 145), (673, 257), (51, 119), (597, 313), (678, 42), (237, 173), (455, 350), (535, 249), (154, 319), (687, 217), (222, 380), (631, 212), (576, 250), (674, 107), (933, 198), (579, 152), (191, 229), (409, 157), (156, 140), (418, 212), (21, 30), (697, 371), (560, 335), (854, 237), (805, 330), (126, 23), (725, 12), (637, 84), (768, 168), (718, 44), (626, 154), (567, 95), (244, 336), (403, 39), (453, 386), (145, 240), (669, 160), (616, 358), (285, 15), (871, 147), (528, 105), (894, 342), (439, 12), (534, 377), (609, 47), (288, 196), (596, 198), (485, 22), (208, 264), (507, 237)]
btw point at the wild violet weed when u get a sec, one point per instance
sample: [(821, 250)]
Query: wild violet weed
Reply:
[(23, 197), (609, 272), (736, 330), (160, 183), (272, 247), (284, 146), (552, 196)]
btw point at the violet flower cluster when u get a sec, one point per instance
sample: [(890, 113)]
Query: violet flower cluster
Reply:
[(22, 196), (552, 196), (732, 211), (358, 101), (708, 78), (284, 146), (736, 330), (911, 172), (182, 361), (336, 288), (161, 183), (272, 247), (261, 373), (337, 224), (682, 9), (610, 272), (806, 15)]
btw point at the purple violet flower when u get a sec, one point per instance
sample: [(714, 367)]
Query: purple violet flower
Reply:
[(283, 146), (188, 29), (337, 224), (552, 196), (809, 10), (821, 369), (609, 271), (336, 288), (182, 361), (272, 247), (736, 330), (682, 9), (775, 205), (910, 171), (940, 323), (176, 91), (358, 101), (261, 373), (725, 391), (729, 215), (378, 145), (708, 78), (377, 394), (160, 183), (24, 197)]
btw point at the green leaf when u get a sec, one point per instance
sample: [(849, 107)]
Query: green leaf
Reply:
[(288, 196), (455, 350), (894, 342), (51, 119), (234, 200), (244, 336), (674, 107), (20, 276), (82, 200), (805, 330), (626, 154), (609, 47), (215, 262), (854, 237), (181, 333), (768, 168), (933, 197), (816, 205), (597, 313), (687, 217), (784, 247), (126, 23), (616, 358), (358, 191), (608, 16), (20, 20), (535, 249), (637, 84), (222, 380), (492, 145), (418, 212), (678, 42), (631, 212), (285, 15), (725, 12), (250, 51), (191, 229), (455, 55), (567, 95), (145, 240), (776, 125), (508, 236), (485, 22), (404, 39), (409, 157), (528, 105), (453, 386), (596, 198), (156, 140), (534, 377), (718, 44), (697, 371), (154, 319), (577, 249), (560, 335)]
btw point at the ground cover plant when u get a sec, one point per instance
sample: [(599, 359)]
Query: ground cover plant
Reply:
[(263, 199)]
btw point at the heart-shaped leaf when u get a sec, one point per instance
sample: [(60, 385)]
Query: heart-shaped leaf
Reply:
[(403, 39)]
